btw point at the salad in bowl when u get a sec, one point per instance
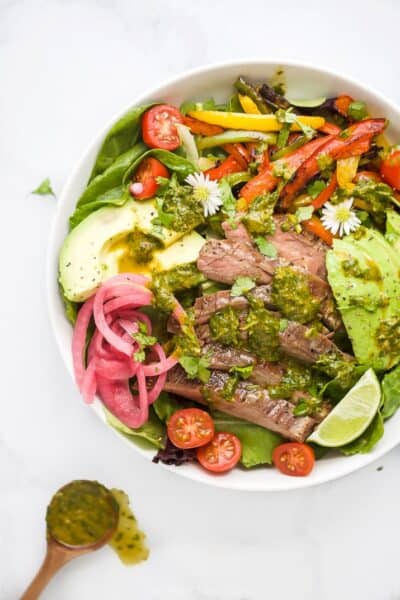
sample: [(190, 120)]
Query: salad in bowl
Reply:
[(231, 274)]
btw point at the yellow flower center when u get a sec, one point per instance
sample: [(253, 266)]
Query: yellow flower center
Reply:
[(201, 194), (343, 214)]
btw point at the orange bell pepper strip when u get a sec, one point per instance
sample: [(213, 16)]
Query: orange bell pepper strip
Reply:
[(342, 104), (264, 182), (240, 153), (315, 226), (351, 142), (200, 128), (228, 166), (326, 193)]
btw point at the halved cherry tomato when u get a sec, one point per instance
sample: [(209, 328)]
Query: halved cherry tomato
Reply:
[(145, 178), (221, 454), (390, 169), (294, 459), (228, 166), (190, 428), (158, 127)]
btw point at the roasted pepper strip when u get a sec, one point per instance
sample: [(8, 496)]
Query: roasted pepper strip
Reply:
[(351, 142), (230, 120), (330, 129), (315, 226), (201, 128), (260, 184), (228, 166), (240, 153), (326, 193), (342, 104)]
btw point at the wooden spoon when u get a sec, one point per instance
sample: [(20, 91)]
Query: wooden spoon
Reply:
[(58, 555)]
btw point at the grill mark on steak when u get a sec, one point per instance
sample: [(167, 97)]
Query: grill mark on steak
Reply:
[(249, 402)]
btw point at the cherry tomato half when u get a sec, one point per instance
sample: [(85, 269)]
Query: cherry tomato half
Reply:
[(221, 454), (144, 181), (390, 169), (190, 428), (294, 459), (158, 127)]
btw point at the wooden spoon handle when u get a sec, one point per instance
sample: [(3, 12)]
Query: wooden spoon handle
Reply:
[(55, 558)]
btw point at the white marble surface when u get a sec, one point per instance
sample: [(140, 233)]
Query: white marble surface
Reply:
[(65, 67)]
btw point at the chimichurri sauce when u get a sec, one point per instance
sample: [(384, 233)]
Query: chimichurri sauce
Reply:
[(128, 541), (81, 513), (292, 296)]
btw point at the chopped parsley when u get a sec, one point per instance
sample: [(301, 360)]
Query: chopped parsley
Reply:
[(196, 367), (243, 372), (144, 340), (44, 189)]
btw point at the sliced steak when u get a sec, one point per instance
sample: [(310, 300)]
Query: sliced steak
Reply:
[(224, 358), (297, 341), (237, 233), (226, 260), (249, 402), (301, 249)]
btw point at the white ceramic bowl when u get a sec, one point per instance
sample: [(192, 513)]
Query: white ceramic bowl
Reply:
[(303, 81)]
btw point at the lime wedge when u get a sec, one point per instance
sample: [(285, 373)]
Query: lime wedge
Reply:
[(352, 415), (308, 103)]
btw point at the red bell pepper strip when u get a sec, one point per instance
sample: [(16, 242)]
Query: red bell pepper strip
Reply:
[(261, 183), (330, 129), (296, 159), (326, 193), (351, 142), (315, 226), (366, 175), (228, 166), (240, 153), (199, 128)]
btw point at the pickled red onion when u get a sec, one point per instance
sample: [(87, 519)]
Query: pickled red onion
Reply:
[(111, 363)]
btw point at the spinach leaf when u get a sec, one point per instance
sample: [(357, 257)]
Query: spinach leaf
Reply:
[(391, 393), (121, 137), (112, 176), (44, 189), (366, 442), (180, 165), (258, 443), (115, 197), (165, 406), (151, 433)]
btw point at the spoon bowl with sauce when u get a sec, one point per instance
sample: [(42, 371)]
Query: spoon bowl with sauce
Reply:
[(81, 517)]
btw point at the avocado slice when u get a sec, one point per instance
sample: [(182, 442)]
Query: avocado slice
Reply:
[(90, 252), (364, 274)]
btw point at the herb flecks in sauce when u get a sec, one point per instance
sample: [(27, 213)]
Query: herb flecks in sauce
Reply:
[(388, 336), (128, 541), (258, 219), (142, 247), (224, 326), (292, 296), (178, 208), (81, 513), (166, 283)]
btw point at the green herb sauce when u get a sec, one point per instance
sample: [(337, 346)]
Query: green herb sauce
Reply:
[(179, 208), (258, 219), (224, 326), (388, 336), (292, 296), (128, 541), (141, 247), (166, 283), (352, 266), (297, 377), (81, 513)]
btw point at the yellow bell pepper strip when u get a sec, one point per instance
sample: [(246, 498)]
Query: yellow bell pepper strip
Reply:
[(346, 170), (235, 136), (246, 89), (230, 120), (248, 105)]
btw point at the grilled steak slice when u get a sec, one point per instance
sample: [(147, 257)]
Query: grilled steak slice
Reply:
[(205, 306), (226, 260), (300, 249), (224, 358), (237, 233), (249, 402), (297, 341)]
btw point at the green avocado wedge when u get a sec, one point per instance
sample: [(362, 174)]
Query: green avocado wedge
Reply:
[(364, 273)]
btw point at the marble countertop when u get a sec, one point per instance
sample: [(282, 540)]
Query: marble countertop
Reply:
[(65, 67)]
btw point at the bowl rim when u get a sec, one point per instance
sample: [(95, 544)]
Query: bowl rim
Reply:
[(285, 483)]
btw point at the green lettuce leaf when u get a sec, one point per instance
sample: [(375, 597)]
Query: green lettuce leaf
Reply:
[(258, 443), (165, 406), (391, 393), (368, 440), (152, 433), (115, 197), (122, 136)]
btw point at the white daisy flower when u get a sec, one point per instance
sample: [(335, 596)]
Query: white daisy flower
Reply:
[(205, 191), (339, 218)]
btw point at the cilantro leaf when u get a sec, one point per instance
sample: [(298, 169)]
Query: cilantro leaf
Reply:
[(242, 285), (304, 213), (315, 188), (144, 340), (283, 323), (228, 200), (196, 367), (44, 189), (266, 247), (243, 372)]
